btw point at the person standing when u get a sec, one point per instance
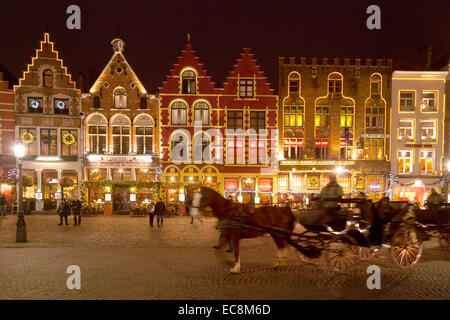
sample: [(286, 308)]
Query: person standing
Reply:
[(160, 207), (76, 210), (3, 202), (63, 211), (151, 214)]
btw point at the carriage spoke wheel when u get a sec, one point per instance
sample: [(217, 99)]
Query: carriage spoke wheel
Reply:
[(341, 255), (444, 239), (364, 253), (406, 249)]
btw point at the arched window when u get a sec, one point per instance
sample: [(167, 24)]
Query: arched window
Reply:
[(179, 113), (201, 113), (188, 82), (375, 84), (144, 134), (179, 147), (97, 134), (47, 76), (294, 83), (202, 148), (120, 98), (120, 131), (335, 83)]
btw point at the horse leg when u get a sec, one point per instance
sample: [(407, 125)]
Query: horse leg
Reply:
[(237, 258), (282, 253)]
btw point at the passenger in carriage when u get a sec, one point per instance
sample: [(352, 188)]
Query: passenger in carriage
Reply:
[(329, 197), (434, 200)]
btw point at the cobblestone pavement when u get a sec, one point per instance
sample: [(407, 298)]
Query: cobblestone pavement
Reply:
[(122, 258)]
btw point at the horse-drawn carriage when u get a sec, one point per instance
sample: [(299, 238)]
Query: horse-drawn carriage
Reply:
[(355, 231)]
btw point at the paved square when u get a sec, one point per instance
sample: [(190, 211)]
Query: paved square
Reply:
[(121, 257)]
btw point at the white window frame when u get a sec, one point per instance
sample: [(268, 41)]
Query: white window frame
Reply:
[(405, 155), (402, 102), (433, 153), (428, 131), (402, 130), (425, 103)]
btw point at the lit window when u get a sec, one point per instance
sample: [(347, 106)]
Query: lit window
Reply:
[(426, 161), (69, 145), (406, 130), (120, 132), (120, 98), (293, 116), (428, 103), (347, 117), (188, 85), (28, 139), (257, 151), (246, 88), (373, 149), (405, 161), (202, 148), (407, 101), (375, 117), (428, 130), (179, 147), (321, 116), (322, 149), (293, 148), (144, 140), (201, 113), (179, 113), (235, 151)]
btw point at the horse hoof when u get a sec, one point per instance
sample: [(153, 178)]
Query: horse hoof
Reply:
[(234, 271)]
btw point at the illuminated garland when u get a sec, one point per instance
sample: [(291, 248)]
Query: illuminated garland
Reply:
[(435, 184), (69, 139), (27, 137)]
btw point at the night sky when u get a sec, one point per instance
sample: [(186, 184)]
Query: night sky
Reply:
[(155, 32)]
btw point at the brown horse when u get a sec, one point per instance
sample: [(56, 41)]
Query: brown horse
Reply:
[(232, 230)]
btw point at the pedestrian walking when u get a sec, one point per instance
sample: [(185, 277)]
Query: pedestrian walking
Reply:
[(64, 212), (160, 207), (151, 214), (3, 202), (76, 210)]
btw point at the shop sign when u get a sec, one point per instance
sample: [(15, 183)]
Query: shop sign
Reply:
[(374, 136), (231, 184), (121, 158), (313, 183), (319, 162), (418, 145), (265, 185)]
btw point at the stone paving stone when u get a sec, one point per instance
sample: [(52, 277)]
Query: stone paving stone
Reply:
[(121, 257)]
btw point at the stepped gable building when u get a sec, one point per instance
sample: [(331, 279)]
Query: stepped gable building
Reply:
[(196, 147), (121, 136), (48, 123), (7, 136), (335, 120)]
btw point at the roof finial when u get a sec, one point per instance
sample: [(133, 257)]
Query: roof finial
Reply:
[(189, 38)]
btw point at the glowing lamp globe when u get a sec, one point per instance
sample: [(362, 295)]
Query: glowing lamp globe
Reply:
[(19, 150)]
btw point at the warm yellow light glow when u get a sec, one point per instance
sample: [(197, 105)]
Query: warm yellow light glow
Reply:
[(339, 170), (121, 170), (172, 178), (19, 150)]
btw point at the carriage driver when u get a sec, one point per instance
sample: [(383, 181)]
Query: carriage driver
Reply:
[(330, 195), (434, 200)]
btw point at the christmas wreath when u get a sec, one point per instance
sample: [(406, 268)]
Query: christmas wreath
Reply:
[(27, 137), (69, 139)]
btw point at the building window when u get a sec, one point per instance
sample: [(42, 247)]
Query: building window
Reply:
[(61, 106), (321, 116), (202, 148), (426, 161), (235, 120), (346, 148), (144, 140), (35, 105), (201, 113), (335, 84), (347, 117), (246, 88), (97, 139), (375, 84), (257, 120), (321, 149), (428, 103), (49, 142), (179, 113), (294, 83), (405, 161), (96, 102), (143, 103), (375, 117), (120, 98), (189, 84), (121, 139), (293, 148), (293, 116), (428, 130), (406, 130), (179, 148), (257, 151), (29, 140), (69, 143), (235, 151), (47, 78), (407, 101), (373, 149)]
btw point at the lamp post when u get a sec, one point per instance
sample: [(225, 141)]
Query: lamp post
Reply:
[(21, 234)]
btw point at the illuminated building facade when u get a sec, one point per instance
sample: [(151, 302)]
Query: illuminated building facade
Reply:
[(48, 123), (7, 135), (204, 130), (417, 139), (334, 119), (121, 136)]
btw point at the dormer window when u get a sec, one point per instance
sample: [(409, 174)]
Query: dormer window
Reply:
[(246, 88), (120, 98), (188, 82), (47, 76)]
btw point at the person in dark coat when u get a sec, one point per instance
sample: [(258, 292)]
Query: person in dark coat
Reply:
[(151, 214), (63, 211), (160, 207), (76, 210)]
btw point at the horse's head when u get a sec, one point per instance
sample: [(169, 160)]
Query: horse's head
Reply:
[(207, 197)]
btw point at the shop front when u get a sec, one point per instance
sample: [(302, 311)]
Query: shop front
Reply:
[(417, 189)]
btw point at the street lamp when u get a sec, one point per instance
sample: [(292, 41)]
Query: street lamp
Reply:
[(21, 234)]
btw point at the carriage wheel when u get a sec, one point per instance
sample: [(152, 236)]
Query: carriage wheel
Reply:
[(444, 239), (364, 253), (340, 253), (406, 249)]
